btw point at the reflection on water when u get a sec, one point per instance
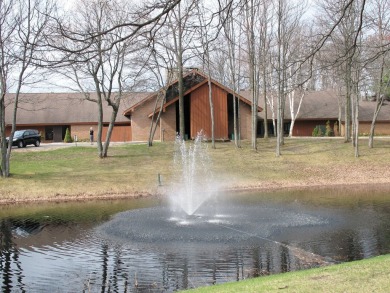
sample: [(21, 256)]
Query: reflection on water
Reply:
[(248, 235)]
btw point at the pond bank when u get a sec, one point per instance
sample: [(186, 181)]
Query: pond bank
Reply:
[(363, 187)]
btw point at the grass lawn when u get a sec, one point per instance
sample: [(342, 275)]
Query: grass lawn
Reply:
[(370, 275), (130, 169)]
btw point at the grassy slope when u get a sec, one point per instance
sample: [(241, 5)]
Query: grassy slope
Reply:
[(132, 169), (371, 275)]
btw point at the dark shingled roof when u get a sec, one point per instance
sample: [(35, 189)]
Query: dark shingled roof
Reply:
[(323, 105), (65, 108)]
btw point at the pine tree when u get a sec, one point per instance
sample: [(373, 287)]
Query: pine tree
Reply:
[(68, 137)]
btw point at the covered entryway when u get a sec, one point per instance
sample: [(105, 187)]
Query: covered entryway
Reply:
[(55, 133), (187, 117)]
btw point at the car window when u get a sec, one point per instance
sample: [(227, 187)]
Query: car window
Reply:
[(18, 133)]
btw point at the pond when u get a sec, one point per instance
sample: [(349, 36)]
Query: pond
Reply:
[(140, 245)]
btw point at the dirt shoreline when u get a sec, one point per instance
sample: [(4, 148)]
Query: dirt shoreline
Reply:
[(162, 193)]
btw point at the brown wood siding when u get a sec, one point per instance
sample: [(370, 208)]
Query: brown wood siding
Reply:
[(120, 133), (381, 128), (305, 128), (200, 112)]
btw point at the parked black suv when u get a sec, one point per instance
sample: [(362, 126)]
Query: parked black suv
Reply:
[(25, 137)]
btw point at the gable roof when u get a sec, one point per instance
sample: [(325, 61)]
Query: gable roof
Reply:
[(65, 108), (191, 80)]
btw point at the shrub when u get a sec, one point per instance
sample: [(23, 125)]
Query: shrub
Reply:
[(68, 137), (328, 129), (320, 133), (315, 131), (319, 130)]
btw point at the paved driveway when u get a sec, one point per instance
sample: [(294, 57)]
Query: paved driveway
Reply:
[(57, 145)]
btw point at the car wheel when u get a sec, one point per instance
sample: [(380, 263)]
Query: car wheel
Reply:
[(20, 144), (37, 143)]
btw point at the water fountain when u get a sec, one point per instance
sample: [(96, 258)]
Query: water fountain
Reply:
[(193, 182)]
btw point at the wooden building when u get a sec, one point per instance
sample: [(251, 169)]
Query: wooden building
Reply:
[(196, 109), (53, 113)]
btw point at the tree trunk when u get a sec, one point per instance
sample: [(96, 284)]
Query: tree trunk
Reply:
[(347, 110), (265, 110), (3, 166), (114, 114), (379, 104), (151, 132), (6, 172), (153, 126), (182, 130), (252, 69), (279, 129), (211, 108), (357, 126), (100, 119)]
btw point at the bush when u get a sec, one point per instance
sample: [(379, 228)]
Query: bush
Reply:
[(315, 131), (328, 129), (68, 137), (318, 131)]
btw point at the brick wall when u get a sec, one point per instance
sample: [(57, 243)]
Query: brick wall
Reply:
[(245, 121), (140, 122), (168, 123), (82, 131)]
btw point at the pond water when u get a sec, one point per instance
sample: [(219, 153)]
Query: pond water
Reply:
[(142, 246)]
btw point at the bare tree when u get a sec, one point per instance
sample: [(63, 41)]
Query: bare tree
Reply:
[(179, 24), (378, 19), (288, 22), (250, 12), (22, 25), (159, 65), (101, 69), (233, 42), (345, 37), (266, 34), (299, 75), (207, 34)]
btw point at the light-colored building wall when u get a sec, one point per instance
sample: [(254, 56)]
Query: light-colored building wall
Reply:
[(168, 123), (245, 121), (82, 131), (140, 122)]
